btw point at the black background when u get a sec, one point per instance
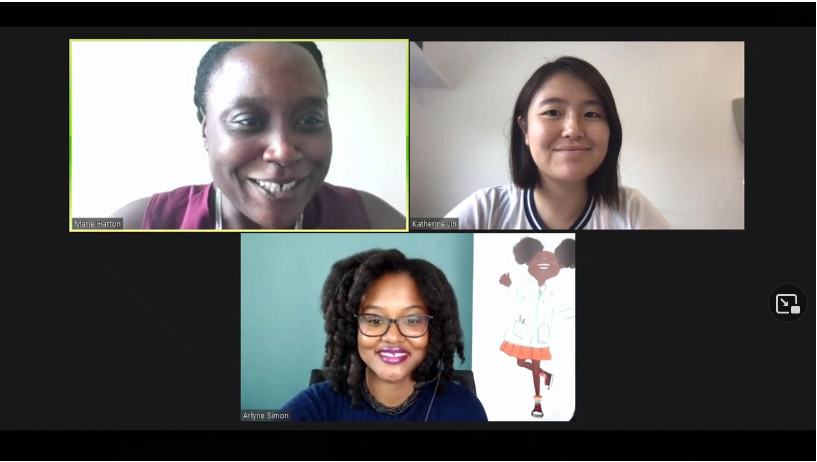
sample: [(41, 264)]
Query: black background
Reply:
[(678, 356)]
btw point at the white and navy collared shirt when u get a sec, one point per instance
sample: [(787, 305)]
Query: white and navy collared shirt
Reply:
[(510, 207)]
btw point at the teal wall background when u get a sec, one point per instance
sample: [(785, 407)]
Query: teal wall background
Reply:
[(282, 337)]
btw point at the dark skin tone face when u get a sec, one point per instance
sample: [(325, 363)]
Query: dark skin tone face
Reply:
[(267, 132), (543, 266)]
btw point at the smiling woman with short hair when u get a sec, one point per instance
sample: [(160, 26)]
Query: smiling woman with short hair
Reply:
[(265, 126), (564, 150)]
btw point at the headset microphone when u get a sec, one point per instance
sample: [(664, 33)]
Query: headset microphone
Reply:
[(439, 374)]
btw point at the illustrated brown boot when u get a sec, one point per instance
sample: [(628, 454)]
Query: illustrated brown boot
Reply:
[(548, 378)]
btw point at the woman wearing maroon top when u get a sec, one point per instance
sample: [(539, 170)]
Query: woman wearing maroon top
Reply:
[(265, 125)]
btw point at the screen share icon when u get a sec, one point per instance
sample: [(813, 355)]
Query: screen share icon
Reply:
[(788, 303)]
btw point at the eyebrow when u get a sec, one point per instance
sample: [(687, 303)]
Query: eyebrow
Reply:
[(253, 101), (589, 102), (375, 307)]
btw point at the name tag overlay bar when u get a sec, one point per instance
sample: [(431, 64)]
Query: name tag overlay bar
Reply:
[(264, 415), (439, 224), (97, 223)]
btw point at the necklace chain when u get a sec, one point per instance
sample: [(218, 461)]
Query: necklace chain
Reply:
[(219, 220), (383, 409)]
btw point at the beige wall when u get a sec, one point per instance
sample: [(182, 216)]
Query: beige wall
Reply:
[(135, 131), (680, 148)]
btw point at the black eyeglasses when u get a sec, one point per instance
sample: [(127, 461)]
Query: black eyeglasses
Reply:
[(374, 325)]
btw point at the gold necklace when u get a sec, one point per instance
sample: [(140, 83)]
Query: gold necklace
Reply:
[(220, 223)]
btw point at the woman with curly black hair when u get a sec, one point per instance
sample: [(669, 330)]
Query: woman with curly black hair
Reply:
[(392, 331)]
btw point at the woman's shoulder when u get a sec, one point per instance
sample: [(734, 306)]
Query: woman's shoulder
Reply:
[(629, 194), (168, 203), (379, 214), (488, 207), (318, 390), (635, 211), (133, 213), (464, 400), (496, 193), (313, 402), (340, 192), (458, 390)]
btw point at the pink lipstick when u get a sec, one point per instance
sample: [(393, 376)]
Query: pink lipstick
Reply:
[(392, 355)]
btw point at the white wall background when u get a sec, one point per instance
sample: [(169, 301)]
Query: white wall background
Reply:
[(505, 389), (680, 144), (135, 132)]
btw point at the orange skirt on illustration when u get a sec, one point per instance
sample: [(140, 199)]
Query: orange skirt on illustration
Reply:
[(525, 352)]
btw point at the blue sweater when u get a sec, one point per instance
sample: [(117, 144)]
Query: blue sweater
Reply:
[(320, 403)]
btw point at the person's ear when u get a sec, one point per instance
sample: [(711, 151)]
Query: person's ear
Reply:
[(204, 130), (524, 127)]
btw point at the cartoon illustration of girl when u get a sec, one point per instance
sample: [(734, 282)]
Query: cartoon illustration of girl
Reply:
[(529, 338)]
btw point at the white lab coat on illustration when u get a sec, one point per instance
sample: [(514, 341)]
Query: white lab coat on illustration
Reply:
[(540, 310)]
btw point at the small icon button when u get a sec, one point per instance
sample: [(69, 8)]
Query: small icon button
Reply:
[(788, 303)]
